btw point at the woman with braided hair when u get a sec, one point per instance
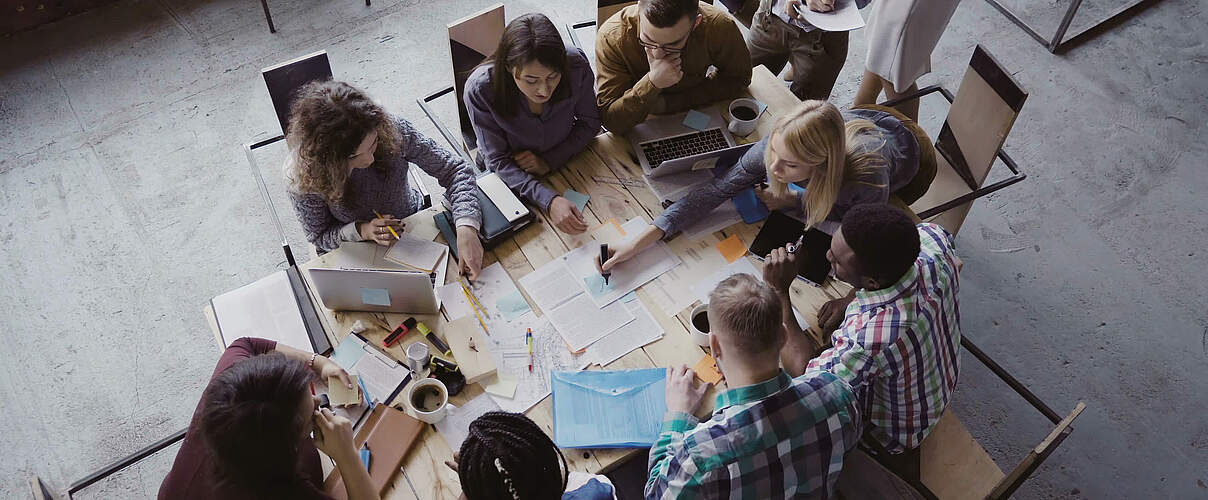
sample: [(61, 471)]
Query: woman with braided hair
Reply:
[(506, 456)]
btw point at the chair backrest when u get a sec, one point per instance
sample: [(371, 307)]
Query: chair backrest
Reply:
[(471, 41), (980, 118), (284, 79), (606, 8)]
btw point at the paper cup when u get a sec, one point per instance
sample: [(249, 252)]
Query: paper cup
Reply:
[(701, 336), (429, 399)]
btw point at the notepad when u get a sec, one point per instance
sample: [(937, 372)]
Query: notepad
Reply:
[(414, 252), (732, 248), (579, 200), (340, 394), (608, 409), (706, 370), (697, 120)]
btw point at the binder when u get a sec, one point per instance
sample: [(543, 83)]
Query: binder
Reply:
[(502, 213), (390, 434)]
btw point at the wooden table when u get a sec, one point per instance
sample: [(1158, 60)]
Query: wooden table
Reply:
[(608, 157)]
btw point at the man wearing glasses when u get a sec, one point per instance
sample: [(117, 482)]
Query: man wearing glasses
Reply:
[(654, 57)]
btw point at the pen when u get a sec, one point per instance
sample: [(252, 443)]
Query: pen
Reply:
[(603, 259), (528, 339), (375, 212), (793, 247)]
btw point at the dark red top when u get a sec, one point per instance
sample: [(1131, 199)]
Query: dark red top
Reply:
[(190, 477)]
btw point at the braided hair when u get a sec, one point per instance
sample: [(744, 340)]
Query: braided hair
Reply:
[(506, 456)]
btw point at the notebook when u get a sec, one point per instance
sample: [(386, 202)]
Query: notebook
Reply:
[(390, 434)]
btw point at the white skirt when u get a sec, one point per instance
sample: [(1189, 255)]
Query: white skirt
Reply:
[(901, 36)]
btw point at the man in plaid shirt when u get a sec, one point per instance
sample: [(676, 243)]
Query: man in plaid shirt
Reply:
[(899, 341), (770, 436)]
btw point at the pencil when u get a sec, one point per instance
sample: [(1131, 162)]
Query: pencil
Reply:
[(471, 297), (476, 315), (375, 212)]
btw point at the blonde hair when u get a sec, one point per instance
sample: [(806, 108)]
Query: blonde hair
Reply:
[(815, 132), (749, 311)]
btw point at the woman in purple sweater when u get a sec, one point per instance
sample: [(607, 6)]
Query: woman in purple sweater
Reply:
[(533, 106)]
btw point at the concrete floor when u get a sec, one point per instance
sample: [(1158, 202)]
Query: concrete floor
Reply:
[(128, 204)]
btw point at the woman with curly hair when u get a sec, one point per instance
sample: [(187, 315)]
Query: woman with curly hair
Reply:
[(348, 162)]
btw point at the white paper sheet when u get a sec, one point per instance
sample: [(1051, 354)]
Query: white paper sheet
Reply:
[(725, 215), (265, 308), (845, 16), (417, 253), (702, 288), (550, 286), (672, 292), (581, 322), (627, 276), (643, 330), (456, 425), (675, 186), (511, 356)]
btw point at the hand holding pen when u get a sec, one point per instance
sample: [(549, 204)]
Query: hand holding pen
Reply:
[(383, 230)]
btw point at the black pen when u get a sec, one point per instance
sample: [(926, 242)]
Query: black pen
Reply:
[(603, 259)]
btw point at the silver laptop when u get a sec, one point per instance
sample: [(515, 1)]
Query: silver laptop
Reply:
[(664, 145), (375, 290)]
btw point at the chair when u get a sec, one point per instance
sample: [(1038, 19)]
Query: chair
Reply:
[(269, 17), (978, 121), (604, 10)]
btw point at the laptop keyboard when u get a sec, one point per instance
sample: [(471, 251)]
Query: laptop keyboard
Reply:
[(680, 146)]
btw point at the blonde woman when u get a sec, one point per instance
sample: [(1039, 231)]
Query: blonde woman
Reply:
[(348, 162), (839, 160)]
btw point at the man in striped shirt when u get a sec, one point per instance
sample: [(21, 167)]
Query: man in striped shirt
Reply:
[(899, 342), (770, 436)]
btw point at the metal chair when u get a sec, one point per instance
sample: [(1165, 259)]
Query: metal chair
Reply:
[(978, 121), (268, 17), (604, 10), (1059, 43)]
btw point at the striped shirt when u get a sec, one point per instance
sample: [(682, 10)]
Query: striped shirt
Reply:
[(781, 438), (899, 347)]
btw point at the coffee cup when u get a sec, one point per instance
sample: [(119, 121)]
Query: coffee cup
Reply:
[(429, 399), (699, 323), (744, 116), (418, 357)]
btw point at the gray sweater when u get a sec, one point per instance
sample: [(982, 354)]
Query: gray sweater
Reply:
[(383, 187), (891, 139)]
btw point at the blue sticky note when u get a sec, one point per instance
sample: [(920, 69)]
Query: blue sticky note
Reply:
[(635, 401), (365, 456), (697, 120), (749, 207), (512, 305), (579, 200), (596, 285), (348, 352), (375, 297), (762, 107)]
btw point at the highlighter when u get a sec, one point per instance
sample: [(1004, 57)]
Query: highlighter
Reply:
[(436, 341)]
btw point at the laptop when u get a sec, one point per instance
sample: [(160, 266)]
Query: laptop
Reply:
[(664, 145), (670, 188), (375, 290)]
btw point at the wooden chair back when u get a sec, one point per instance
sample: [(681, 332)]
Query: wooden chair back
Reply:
[(471, 40), (606, 8), (284, 79), (981, 116)]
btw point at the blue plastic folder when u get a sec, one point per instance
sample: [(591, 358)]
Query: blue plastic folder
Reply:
[(608, 409)]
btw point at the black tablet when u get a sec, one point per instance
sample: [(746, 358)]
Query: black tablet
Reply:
[(779, 230)]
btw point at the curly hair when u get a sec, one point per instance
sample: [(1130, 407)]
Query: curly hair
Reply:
[(327, 122), (506, 456)]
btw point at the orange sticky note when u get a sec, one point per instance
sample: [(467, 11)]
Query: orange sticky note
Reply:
[(732, 248), (706, 370)]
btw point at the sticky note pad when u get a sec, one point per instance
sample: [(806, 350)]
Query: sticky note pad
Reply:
[(348, 352), (375, 297), (502, 387), (512, 305), (697, 120), (762, 107), (706, 370), (340, 394), (732, 248), (596, 285), (579, 200)]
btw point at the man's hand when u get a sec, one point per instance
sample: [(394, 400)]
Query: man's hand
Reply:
[(831, 313), (566, 217), (780, 268), (684, 393), (378, 230), (786, 201), (819, 5), (667, 71), (531, 163), (469, 251)]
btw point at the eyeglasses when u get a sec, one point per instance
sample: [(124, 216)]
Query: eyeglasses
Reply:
[(675, 47)]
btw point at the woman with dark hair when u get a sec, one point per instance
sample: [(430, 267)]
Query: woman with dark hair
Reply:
[(533, 106), (506, 456), (250, 436), (348, 163)]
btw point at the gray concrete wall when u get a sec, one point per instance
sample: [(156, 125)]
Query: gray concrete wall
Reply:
[(127, 205)]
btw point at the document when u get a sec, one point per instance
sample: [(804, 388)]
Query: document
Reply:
[(845, 16), (456, 424), (672, 292), (643, 330), (414, 252), (550, 286), (627, 276), (453, 299), (609, 409), (675, 186), (512, 359), (703, 287), (725, 215), (382, 375), (581, 322), (265, 308)]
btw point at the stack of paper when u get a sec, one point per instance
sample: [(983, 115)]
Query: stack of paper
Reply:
[(456, 424), (414, 252), (643, 330)]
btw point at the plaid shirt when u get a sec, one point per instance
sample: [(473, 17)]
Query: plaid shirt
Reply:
[(782, 438), (898, 347)]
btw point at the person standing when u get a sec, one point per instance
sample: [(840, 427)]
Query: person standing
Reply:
[(817, 56), (901, 36)]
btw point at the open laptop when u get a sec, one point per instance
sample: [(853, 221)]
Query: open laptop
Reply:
[(375, 290), (664, 145)]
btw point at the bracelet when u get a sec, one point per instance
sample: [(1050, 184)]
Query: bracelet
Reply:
[(311, 364)]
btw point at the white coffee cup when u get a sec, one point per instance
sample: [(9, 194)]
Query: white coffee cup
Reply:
[(739, 126), (435, 403), (700, 336)]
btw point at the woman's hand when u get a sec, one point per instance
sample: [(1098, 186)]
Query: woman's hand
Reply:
[(774, 201), (333, 436), (378, 230), (531, 163), (469, 249), (630, 247), (327, 368), (566, 217)]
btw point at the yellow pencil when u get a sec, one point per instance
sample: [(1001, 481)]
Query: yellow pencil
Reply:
[(471, 297), (476, 315), (375, 212)]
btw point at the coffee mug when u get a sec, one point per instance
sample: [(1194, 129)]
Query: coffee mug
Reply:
[(744, 116), (418, 357), (699, 321), (429, 399)]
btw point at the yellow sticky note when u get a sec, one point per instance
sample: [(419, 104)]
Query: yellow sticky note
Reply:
[(732, 248), (340, 394), (502, 387), (706, 370)]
